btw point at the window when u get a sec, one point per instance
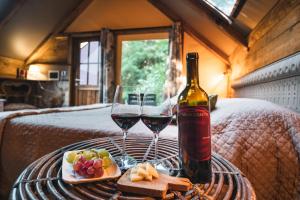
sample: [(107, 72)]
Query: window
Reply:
[(89, 63), (144, 63), (225, 6)]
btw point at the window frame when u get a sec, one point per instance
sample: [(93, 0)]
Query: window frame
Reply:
[(233, 13), (99, 71)]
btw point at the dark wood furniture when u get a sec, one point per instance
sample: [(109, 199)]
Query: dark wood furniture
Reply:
[(42, 179)]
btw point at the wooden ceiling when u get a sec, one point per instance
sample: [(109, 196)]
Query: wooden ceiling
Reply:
[(254, 10), (26, 24), (118, 14)]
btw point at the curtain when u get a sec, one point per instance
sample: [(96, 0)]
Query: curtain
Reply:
[(175, 58), (108, 64)]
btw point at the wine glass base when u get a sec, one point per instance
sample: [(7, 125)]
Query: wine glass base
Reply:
[(161, 167), (125, 162)]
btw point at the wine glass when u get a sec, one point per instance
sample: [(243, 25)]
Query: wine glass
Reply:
[(156, 115), (125, 112)]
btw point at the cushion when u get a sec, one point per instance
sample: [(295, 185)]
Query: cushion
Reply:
[(213, 101)]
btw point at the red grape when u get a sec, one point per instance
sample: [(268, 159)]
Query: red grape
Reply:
[(99, 172), (88, 163), (81, 172), (97, 163), (82, 159), (77, 166), (88, 168), (90, 171)]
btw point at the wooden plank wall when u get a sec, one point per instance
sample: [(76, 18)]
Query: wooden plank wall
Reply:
[(86, 97), (275, 37), (53, 51), (8, 66)]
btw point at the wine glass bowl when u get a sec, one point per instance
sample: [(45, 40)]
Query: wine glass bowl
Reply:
[(125, 112)]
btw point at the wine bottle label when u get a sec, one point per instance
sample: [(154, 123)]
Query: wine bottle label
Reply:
[(194, 132)]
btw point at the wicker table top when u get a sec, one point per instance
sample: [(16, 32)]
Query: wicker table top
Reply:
[(42, 179)]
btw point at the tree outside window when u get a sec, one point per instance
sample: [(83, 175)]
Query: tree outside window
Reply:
[(144, 63)]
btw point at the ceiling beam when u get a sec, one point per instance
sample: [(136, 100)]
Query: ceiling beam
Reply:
[(190, 30), (228, 26), (59, 28), (12, 12)]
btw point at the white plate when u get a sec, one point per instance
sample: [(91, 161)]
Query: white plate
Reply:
[(68, 175)]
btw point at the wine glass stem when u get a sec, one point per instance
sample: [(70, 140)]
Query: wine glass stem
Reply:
[(155, 146), (124, 144)]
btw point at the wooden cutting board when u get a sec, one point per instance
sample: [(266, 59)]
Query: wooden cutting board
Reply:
[(155, 188)]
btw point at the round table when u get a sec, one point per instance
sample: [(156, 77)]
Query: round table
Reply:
[(42, 178)]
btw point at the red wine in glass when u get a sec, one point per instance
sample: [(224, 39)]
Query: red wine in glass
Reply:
[(125, 120), (125, 113), (156, 123)]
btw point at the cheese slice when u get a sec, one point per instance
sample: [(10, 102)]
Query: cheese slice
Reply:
[(148, 177), (135, 177), (151, 170), (143, 171)]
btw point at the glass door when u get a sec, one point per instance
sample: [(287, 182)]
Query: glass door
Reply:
[(88, 79)]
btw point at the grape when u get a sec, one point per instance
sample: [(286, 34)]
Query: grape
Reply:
[(106, 162), (88, 163), (97, 163), (77, 157), (103, 153), (89, 154), (77, 166), (81, 172), (99, 172), (90, 170), (82, 159), (71, 156)]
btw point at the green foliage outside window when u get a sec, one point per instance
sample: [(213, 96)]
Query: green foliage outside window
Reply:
[(144, 64)]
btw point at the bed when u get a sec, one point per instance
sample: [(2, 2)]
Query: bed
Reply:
[(259, 137)]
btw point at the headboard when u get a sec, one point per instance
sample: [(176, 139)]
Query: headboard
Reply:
[(278, 82)]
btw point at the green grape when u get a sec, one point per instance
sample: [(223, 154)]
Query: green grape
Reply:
[(77, 157), (103, 153), (89, 155), (71, 156), (106, 162)]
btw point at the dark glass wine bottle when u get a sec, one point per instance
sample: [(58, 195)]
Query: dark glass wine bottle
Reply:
[(194, 126)]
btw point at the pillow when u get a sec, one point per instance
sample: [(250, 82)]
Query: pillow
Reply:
[(18, 106), (213, 101)]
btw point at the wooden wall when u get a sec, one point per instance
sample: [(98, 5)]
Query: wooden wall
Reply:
[(54, 51), (211, 68), (276, 36), (8, 66), (88, 96)]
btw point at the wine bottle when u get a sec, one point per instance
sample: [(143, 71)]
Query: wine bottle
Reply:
[(194, 126)]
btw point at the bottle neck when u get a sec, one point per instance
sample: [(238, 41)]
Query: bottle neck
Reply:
[(192, 72)]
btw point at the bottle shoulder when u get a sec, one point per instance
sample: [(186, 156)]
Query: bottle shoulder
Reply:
[(193, 96)]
